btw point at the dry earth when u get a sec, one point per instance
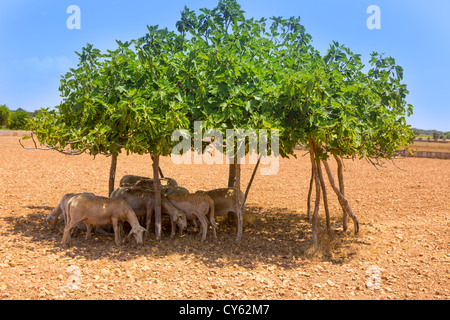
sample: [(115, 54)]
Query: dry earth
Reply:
[(404, 216)]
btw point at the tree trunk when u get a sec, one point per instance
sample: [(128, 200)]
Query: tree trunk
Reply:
[(157, 188), (232, 175), (240, 219), (159, 169), (324, 192), (232, 182), (311, 182), (341, 189), (112, 173), (317, 202), (342, 200), (250, 184)]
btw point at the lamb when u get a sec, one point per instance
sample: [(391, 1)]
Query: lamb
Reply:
[(95, 210), (143, 203), (132, 180), (196, 206)]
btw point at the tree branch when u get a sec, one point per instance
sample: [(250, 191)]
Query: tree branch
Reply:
[(70, 152)]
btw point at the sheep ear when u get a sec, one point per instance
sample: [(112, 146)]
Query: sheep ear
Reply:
[(131, 232)]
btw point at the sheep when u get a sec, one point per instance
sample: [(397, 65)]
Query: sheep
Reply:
[(96, 210), (52, 217), (196, 206), (132, 180), (143, 203), (224, 200), (167, 191)]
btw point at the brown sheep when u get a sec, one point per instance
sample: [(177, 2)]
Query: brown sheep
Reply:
[(224, 200), (52, 217), (196, 206), (167, 191), (95, 210), (143, 203), (132, 180)]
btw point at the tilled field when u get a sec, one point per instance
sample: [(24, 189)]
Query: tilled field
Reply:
[(401, 253)]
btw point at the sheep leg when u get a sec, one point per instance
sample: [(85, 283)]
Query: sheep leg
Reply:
[(121, 232), (66, 239), (101, 229), (212, 221), (88, 230), (204, 224), (174, 226), (213, 225), (181, 232), (67, 236), (116, 228)]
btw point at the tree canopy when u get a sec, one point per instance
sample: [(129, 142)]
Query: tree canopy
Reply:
[(229, 72)]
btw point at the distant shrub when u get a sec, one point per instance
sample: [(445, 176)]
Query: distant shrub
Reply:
[(5, 116), (435, 136), (19, 120)]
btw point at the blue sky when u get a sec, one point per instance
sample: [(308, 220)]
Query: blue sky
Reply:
[(36, 47)]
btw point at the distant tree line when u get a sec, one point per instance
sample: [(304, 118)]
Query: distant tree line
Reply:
[(15, 119), (431, 134)]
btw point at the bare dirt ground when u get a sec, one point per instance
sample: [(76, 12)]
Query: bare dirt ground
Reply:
[(404, 218)]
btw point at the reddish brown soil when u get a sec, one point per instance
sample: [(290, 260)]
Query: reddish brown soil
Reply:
[(404, 218)]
